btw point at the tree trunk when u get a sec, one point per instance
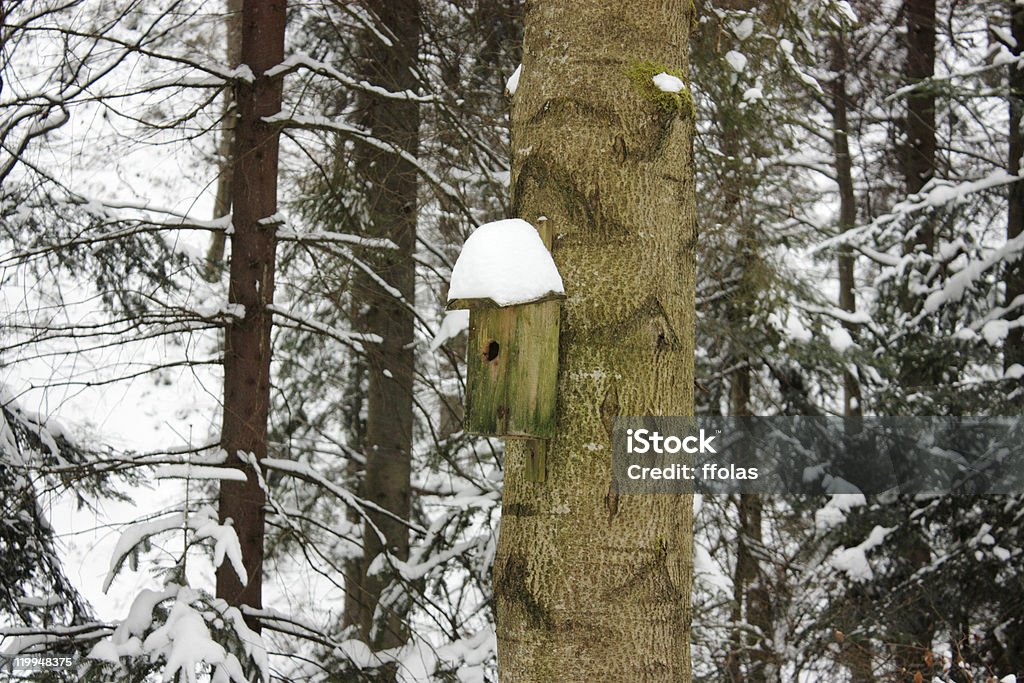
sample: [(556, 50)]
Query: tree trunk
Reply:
[(591, 586), (247, 340), (391, 183), (1013, 350), (222, 200), (751, 609), (919, 126), (912, 624), (847, 211)]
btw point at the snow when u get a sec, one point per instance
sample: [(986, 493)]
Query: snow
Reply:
[(1015, 371), (140, 616), (667, 82), (453, 324), (791, 325), (995, 331), (736, 60), (744, 28), (834, 511), (505, 261), (104, 651), (512, 84), (225, 541), (198, 472), (955, 287), (839, 339), (46, 601), (753, 95), (136, 534), (185, 640), (854, 561), (203, 523)]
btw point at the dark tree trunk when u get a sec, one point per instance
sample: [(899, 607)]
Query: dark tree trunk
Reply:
[(919, 151), (912, 625), (247, 341), (847, 210), (751, 603), (1014, 274), (222, 200), (391, 207)]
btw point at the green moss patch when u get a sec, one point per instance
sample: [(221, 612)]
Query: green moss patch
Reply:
[(641, 75)]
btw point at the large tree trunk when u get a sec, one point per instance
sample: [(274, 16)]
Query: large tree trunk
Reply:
[(591, 586), (391, 212), (847, 210), (1014, 274), (253, 244)]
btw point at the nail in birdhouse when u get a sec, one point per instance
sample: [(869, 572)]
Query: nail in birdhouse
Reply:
[(507, 279)]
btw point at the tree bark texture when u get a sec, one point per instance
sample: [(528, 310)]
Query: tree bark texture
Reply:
[(1014, 274), (591, 586), (391, 209), (247, 349)]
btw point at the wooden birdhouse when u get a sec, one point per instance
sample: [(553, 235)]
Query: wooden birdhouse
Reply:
[(506, 278)]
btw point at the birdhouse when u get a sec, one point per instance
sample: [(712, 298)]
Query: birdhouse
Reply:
[(506, 278)]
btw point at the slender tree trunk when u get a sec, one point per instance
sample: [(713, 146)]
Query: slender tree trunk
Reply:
[(391, 210), (847, 210), (591, 586), (1013, 349), (222, 200), (919, 153), (751, 609), (247, 349), (912, 625)]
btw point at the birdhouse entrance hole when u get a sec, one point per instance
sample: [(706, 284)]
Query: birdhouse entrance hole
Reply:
[(492, 350)]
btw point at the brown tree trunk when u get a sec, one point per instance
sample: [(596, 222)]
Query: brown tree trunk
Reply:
[(847, 210), (391, 210), (1013, 350), (591, 586), (222, 200), (253, 244)]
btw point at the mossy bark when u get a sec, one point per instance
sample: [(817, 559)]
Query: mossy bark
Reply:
[(591, 586)]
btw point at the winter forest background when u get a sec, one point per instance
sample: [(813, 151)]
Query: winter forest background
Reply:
[(860, 226)]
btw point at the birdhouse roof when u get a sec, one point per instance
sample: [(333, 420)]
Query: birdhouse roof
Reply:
[(504, 263)]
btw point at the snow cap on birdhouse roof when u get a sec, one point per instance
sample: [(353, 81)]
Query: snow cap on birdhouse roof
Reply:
[(504, 263)]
